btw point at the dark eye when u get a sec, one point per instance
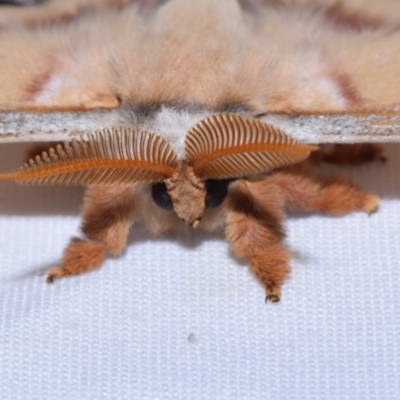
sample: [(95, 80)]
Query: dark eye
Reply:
[(216, 192), (160, 196)]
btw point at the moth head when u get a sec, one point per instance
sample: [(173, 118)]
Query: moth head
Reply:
[(190, 196), (218, 149), (187, 193)]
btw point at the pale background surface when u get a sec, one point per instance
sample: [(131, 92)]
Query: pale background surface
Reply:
[(181, 319)]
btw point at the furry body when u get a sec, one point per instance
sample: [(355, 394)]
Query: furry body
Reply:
[(336, 56), (164, 66)]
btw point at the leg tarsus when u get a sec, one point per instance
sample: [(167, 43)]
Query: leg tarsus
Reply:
[(371, 203), (334, 195), (80, 256), (272, 268), (107, 215), (272, 297), (339, 197), (254, 232)]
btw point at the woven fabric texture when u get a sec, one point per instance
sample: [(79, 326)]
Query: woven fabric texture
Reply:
[(181, 318)]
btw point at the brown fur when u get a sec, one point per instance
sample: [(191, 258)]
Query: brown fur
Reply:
[(343, 18), (347, 89), (210, 53), (204, 52), (36, 85), (334, 195), (346, 14), (255, 232), (108, 212), (60, 12), (256, 211), (80, 256), (252, 214), (355, 154)]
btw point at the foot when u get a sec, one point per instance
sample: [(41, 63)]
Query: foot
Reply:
[(371, 203), (273, 296), (80, 256)]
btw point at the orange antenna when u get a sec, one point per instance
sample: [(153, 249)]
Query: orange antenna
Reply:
[(107, 157), (230, 145)]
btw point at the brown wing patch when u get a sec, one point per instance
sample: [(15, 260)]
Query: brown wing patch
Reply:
[(230, 145), (347, 89), (37, 84), (107, 157)]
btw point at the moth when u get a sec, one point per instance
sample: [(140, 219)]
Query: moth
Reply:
[(184, 114), (136, 175)]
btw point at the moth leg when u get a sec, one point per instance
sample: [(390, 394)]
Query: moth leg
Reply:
[(354, 154), (332, 195), (255, 233), (107, 215), (80, 256)]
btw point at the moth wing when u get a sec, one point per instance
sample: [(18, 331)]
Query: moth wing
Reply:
[(339, 127), (56, 126)]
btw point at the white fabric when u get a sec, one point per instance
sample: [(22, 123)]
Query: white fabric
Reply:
[(180, 318)]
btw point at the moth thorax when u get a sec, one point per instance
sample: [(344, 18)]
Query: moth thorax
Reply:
[(187, 193)]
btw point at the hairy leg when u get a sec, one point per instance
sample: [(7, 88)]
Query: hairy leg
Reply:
[(107, 215), (351, 154), (255, 233), (347, 154), (332, 195)]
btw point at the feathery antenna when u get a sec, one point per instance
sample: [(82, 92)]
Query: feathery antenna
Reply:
[(107, 157), (230, 145)]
